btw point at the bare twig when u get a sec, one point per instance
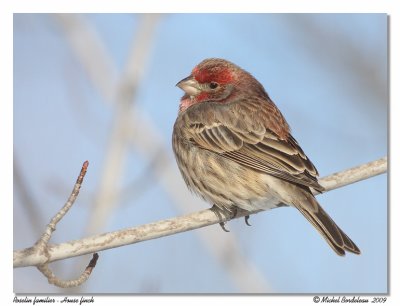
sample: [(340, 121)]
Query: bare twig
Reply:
[(42, 248), (69, 283), (26, 257), (51, 227), (356, 174)]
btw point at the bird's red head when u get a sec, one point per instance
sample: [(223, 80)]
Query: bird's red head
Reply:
[(218, 80), (213, 80), (214, 70)]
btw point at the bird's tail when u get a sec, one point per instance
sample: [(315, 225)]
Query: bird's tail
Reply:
[(335, 237)]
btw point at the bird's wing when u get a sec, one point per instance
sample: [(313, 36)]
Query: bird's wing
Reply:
[(242, 136)]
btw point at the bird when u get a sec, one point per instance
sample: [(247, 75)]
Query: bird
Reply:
[(234, 148)]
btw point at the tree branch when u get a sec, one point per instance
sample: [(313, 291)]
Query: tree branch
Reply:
[(69, 283), (353, 175), (29, 256), (41, 248)]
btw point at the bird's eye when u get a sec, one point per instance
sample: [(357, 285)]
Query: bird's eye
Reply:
[(213, 85)]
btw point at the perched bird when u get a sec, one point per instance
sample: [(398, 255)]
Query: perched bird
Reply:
[(234, 148)]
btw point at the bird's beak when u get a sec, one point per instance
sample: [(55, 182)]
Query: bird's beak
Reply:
[(189, 85)]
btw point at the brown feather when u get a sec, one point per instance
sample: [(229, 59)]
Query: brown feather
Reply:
[(335, 237), (248, 142), (234, 148)]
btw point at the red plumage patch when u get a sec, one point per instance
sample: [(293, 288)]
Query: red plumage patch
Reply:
[(221, 75)]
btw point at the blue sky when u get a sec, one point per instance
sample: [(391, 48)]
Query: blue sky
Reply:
[(326, 72)]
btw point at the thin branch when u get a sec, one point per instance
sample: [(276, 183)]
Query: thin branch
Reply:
[(51, 227), (42, 248), (353, 175), (69, 283), (26, 257)]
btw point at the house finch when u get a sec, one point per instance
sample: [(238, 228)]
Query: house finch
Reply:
[(234, 148)]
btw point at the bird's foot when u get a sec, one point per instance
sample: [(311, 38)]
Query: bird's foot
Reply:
[(220, 213), (235, 212), (229, 215)]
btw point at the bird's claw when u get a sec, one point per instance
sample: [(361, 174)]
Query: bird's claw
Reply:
[(222, 224), (218, 212), (246, 219)]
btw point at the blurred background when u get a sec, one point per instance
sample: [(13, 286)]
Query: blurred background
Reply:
[(101, 87)]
